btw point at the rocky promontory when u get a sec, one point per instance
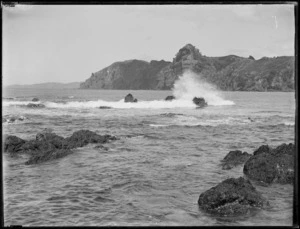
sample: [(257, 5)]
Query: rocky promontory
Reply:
[(230, 72)]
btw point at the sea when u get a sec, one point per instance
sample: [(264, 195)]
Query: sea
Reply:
[(168, 153)]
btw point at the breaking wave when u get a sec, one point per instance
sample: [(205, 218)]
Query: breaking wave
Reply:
[(191, 85), (188, 86)]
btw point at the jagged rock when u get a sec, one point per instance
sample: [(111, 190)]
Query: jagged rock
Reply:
[(234, 158), (130, 99), (13, 144), (48, 156), (83, 137), (200, 102), (170, 98), (35, 100), (262, 149), (49, 146), (32, 105), (272, 165), (36, 147), (105, 107), (232, 197), (52, 138)]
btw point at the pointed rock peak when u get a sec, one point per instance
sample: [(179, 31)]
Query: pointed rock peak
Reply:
[(188, 52)]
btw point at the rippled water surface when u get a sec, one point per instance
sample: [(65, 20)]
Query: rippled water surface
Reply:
[(167, 155)]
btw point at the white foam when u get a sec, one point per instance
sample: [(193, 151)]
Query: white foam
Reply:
[(191, 85), (17, 103), (287, 123), (154, 104)]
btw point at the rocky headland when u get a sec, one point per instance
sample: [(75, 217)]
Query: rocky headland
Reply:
[(232, 73)]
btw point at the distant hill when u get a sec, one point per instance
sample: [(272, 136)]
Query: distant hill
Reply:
[(230, 72), (73, 85)]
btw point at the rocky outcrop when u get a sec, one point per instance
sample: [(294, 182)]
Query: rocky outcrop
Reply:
[(272, 165), (48, 156), (170, 98), (33, 105), (35, 100), (83, 137), (200, 102), (12, 143), (47, 146), (231, 197), (232, 73), (234, 158), (130, 99)]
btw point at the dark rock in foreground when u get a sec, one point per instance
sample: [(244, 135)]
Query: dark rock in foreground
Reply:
[(32, 105), (52, 138), (262, 149), (13, 144), (83, 137), (272, 165), (200, 102), (231, 197), (234, 158), (35, 100), (169, 98), (48, 146), (105, 107), (130, 99), (48, 156)]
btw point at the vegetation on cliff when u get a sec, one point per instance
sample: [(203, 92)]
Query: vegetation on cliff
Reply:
[(231, 72)]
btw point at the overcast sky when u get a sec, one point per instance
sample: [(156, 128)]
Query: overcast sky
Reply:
[(43, 43)]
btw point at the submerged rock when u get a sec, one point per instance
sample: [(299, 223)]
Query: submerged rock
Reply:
[(272, 165), (35, 100), (12, 119), (130, 99), (101, 147), (233, 196), (200, 102), (169, 98), (48, 156), (234, 158), (32, 105), (13, 144)]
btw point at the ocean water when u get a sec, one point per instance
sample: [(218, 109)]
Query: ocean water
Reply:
[(167, 155)]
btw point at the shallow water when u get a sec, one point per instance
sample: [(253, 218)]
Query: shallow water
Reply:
[(167, 155)]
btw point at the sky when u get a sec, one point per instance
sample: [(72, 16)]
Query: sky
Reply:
[(67, 43)]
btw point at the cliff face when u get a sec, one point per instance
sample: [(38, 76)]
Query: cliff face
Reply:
[(228, 72), (131, 74)]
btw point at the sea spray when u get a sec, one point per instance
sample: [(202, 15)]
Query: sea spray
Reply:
[(191, 85)]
